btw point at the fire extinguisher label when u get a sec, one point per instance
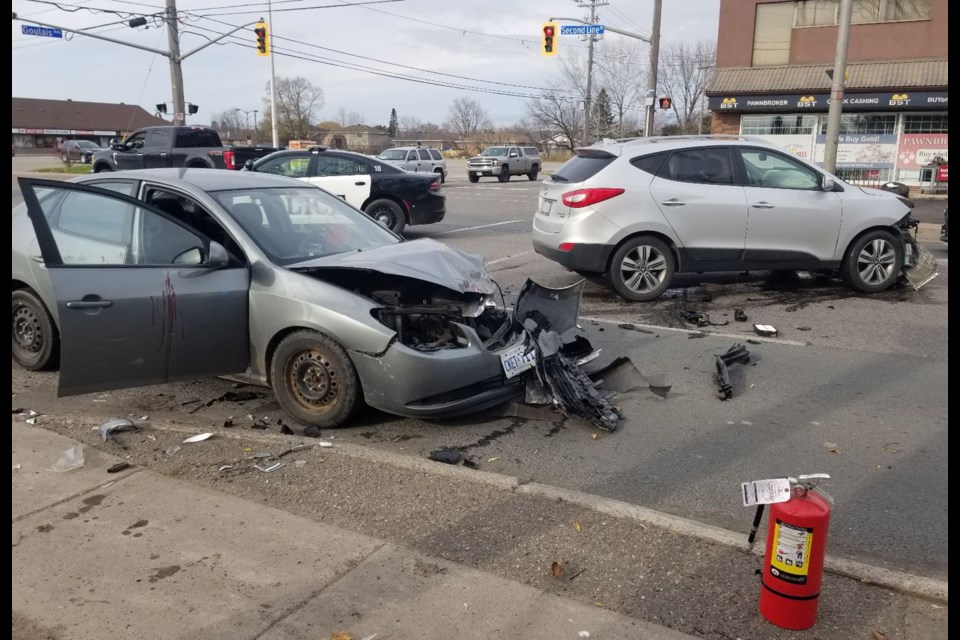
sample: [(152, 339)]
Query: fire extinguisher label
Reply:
[(791, 552)]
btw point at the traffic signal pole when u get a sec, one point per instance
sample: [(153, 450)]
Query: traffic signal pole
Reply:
[(176, 72), (273, 92), (587, 101), (836, 91), (654, 63)]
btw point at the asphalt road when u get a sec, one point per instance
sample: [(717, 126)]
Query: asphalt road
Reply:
[(855, 386)]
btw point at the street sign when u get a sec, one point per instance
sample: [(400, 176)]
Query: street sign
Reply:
[(581, 30), (30, 30)]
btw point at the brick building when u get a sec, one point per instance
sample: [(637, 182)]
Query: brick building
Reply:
[(771, 82)]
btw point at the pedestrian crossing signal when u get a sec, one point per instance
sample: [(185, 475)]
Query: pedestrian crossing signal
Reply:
[(549, 44), (665, 103), (263, 45)]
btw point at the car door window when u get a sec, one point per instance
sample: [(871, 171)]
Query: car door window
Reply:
[(435, 154), (412, 156), (290, 166), (701, 166), (514, 153), (768, 169), (159, 138), (334, 166), (135, 141), (196, 217), (424, 154)]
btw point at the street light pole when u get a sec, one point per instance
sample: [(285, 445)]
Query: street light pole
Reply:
[(273, 92), (836, 91), (255, 131), (652, 75), (176, 72), (588, 99)]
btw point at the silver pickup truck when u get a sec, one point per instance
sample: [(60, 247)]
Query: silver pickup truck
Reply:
[(504, 162)]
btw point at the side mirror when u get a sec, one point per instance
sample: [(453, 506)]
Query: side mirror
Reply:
[(828, 183), (116, 146), (217, 257), (248, 165)]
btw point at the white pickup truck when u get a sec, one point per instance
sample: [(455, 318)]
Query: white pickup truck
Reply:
[(504, 162)]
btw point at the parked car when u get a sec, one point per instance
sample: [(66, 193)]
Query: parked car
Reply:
[(639, 211), (146, 277), (394, 197), (78, 151), (417, 159), (503, 162), (170, 146)]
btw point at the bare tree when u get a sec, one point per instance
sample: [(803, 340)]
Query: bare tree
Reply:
[(348, 118), (298, 100), (621, 71), (683, 76), (558, 115), (231, 123), (467, 117), (410, 123)]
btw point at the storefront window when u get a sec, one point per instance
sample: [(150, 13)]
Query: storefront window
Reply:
[(771, 33), (864, 123), (786, 124), (926, 123)]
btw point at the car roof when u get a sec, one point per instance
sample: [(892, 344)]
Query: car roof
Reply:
[(654, 144), (203, 179), (407, 148)]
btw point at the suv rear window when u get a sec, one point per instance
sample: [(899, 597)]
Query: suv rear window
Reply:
[(531, 151), (436, 154), (197, 138), (586, 164)]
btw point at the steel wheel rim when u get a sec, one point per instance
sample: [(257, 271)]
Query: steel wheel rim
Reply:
[(27, 332), (314, 380), (876, 262), (386, 217), (643, 269)]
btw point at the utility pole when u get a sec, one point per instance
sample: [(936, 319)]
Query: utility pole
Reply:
[(273, 92), (254, 126), (836, 92), (176, 72), (652, 75), (703, 96), (587, 101)]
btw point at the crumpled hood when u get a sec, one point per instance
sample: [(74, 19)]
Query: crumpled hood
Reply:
[(423, 259)]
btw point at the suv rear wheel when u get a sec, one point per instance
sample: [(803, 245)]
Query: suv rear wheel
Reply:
[(872, 262), (443, 176), (642, 269)]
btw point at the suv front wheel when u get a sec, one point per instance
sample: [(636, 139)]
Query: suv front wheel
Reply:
[(873, 262), (642, 269)]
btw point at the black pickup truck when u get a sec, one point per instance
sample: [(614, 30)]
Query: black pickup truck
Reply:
[(157, 147)]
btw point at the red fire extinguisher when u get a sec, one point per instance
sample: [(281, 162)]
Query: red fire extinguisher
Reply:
[(793, 561)]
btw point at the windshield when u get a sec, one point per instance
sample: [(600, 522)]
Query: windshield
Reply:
[(495, 151), (86, 144), (393, 154), (293, 224)]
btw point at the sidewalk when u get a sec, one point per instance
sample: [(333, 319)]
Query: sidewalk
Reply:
[(142, 555)]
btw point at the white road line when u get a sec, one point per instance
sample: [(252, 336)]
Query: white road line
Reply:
[(654, 327), (482, 226), (517, 255)]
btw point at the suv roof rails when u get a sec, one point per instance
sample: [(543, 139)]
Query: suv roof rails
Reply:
[(705, 136), (318, 147)]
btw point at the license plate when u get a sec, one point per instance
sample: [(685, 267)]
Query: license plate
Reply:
[(515, 361), (545, 207)]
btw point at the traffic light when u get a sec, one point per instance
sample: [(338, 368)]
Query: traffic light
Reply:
[(263, 44), (549, 47), (192, 108), (665, 103)]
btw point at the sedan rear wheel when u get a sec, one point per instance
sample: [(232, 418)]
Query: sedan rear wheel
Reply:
[(314, 380), (873, 262), (642, 269), (36, 343), (388, 213)]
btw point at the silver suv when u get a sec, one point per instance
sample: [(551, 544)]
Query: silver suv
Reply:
[(638, 211), (417, 159)]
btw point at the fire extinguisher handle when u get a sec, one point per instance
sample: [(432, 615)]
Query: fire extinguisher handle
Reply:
[(814, 476)]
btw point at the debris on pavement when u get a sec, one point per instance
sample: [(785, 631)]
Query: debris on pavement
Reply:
[(739, 315), (447, 456), (172, 450), (285, 430), (629, 326), (111, 427), (325, 444), (556, 569), (699, 318), (200, 437), (299, 464), (765, 330), (18, 410), (623, 376), (228, 422), (299, 447), (312, 432), (31, 421), (271, 468), (803, 328), (117, 468), (17, 467), (70, 459), (229, 396), (470, 463), (225, 467), (539, 411), (734, 355)]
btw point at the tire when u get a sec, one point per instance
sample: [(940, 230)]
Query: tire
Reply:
[(314, 380), (443, 176), (36, 342), (65, 159), (872, 262), (473, 177), (100, 168), (533, 173), (641, 269), (504, 174), (388, 213)]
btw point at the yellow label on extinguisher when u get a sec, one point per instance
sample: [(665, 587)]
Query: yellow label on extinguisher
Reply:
[(790, 557)]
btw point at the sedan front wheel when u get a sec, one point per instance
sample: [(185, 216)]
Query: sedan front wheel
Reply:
[(314, 380), (642, 269)]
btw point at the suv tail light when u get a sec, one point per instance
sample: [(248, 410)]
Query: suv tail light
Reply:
[(586, 197), (435, 185), (229, 159)]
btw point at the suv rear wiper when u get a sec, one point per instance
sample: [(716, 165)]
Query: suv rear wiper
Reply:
[(557, 178)]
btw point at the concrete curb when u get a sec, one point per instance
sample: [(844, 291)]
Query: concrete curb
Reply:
[(908, 584)]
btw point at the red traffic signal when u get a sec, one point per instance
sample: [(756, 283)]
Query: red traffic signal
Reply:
[(665, 103), (548, 31), (263, 47), (548, 45)]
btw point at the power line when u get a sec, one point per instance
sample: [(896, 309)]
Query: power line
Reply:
[(324, 6), (73, 8)]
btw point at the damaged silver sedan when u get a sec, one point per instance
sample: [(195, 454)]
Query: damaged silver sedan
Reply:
[(145, 277)]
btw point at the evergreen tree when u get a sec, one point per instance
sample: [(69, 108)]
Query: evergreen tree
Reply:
[(602, 116), (392, 127)]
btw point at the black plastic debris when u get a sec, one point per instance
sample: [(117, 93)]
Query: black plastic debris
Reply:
[(312, 432), (229, 396), (117, 468), (470, 463), (739, 315), (623, 376), (765, 330), (447, 456), (737, 354), (699, 318), (629, 326), (285, 430)]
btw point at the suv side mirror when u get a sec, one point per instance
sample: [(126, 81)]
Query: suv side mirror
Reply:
[(828, 183), (248, 165)]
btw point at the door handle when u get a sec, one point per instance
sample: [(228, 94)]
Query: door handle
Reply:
[(673, 202), (37, 259), (360, 183), (89, 304), (762, 205)]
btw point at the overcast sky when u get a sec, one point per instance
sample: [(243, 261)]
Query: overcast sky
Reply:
[(498, 50)]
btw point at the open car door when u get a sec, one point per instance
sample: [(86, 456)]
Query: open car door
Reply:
[(140, 298)]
